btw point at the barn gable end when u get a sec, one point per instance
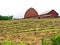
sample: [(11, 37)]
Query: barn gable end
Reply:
[(31, 13), (51, 14)]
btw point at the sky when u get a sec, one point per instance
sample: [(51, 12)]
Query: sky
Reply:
[(17, 8)]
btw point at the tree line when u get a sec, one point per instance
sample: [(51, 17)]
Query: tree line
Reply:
[(5, 17)]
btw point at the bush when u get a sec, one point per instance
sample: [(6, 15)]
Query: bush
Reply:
[(56, 39), (45, 42), (6, 17)]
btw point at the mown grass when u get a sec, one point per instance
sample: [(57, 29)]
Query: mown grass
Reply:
[(29, 24), (29, 31)]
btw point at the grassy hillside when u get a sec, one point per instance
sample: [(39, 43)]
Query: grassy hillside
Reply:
[(29, 31)]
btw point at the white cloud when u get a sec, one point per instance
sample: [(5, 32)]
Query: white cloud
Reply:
[(19, 7)]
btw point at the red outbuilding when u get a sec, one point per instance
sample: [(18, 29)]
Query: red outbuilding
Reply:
[(51, 14)]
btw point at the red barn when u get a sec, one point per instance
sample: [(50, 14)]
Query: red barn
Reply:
[(31, 13), (51, 14)]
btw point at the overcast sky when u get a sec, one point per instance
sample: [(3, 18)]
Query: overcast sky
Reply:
[(17, 8)]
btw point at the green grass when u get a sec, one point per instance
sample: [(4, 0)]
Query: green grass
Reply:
[(56, 39), (8, 43), (22, 43), (11, 43)]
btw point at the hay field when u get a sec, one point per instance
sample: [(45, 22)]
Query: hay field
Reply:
[(30, 31)]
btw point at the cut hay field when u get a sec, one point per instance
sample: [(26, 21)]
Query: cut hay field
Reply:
[(30, 31)]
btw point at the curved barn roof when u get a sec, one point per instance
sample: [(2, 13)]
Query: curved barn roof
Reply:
[(31, 12)]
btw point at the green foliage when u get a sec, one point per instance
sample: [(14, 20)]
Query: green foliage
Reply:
[(45, 42), (11, 43), (56, 39), (5, 17), (8, 43)]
